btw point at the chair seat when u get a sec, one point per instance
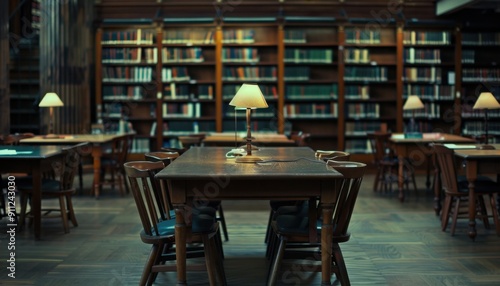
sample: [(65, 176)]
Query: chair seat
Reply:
[(202, 223), (48, 185), (480, 186)]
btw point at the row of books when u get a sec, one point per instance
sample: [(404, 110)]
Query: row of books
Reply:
[(317, 91), (188, 37), (238, 36), (377, 74), (422, 56), (357, 92), (240, 55), (113, 110), (362, 36), (306, 110), (187, 110), (430, 110), (468, 56), (358, 146), (182, 55), (269, 91), (250, 73), (295, 37), (481, 39), (140, 145), (187, 91), (422, 74), (361, 127), (426, 38), (174, 74), (480, 74), (257, 113), (357, 55), (363, 110), (129, 55), (120, 92), (297, 73), (471, 113), (127, 74), (295, 55), (138, 36), (477, 128), (430, 92)]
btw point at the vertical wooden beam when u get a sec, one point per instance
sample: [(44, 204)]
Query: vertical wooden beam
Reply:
[(281, 79), (4, 68), (457, 123), (341, 89), (159, 89), (399, 78), (218, 78)]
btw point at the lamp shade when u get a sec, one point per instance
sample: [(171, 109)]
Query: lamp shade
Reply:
[(486, 100), (413, 102), (249, 96), (51, 99)]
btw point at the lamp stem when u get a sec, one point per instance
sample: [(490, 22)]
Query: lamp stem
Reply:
[(249, 134), (51, 120), (486, 126)]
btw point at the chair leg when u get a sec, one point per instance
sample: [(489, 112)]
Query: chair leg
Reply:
[(64, 214), (483, 211), (276, 263), (209, 260), (445, 212), (376, 182), (153, 254), (71, 212), (24, 206), (221, 274), (268, 230), (222, 220), (494, 212), (455, 216), (342, 275)]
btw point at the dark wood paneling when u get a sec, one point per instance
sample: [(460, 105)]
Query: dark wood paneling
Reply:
[(4, 68)]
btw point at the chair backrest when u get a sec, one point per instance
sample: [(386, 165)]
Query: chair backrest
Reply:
[(67, 168), (446, 166), (121, 146), (300, 138), (332, 155), (347, 190), (190, 141), (166, 157), (150, 203), (379, 143)]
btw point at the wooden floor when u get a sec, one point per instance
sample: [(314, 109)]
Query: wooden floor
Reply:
[(391, 244)]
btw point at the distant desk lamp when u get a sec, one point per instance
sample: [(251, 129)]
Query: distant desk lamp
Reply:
[(413, 103), (250, 97), (51, 100), (486, 101)]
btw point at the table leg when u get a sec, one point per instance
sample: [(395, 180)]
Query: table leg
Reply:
[(472, 211), (326, 244), (180, 245), (437, 186), (96, 158), (401, 162), (36, 200)]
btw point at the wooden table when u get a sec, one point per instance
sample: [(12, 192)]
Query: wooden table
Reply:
[(98, 141), (228, 140), (477, 162), (33, 160), (204, 173), (418, 150)]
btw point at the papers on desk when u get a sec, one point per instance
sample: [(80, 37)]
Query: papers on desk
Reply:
[(455, 146), (13, 152)]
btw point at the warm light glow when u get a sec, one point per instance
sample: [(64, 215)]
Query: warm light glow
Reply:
[(413, 102), (249, 96), (486, 100), (51, 99)]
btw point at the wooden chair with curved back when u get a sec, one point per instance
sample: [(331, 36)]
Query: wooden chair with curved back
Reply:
[(295, 228), (456, 192), (159, 228), (57, 184)]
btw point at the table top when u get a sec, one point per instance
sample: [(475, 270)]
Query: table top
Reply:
[(68, 139), (478, 154), (29, 152), (278, 163), (430, 138)]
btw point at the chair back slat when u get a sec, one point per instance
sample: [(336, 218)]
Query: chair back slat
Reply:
[(446, 165), (149, 202), (71, 162), (347, 192), (379, 143)]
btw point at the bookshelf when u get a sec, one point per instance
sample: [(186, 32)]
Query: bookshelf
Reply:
[(480, 72), (369, 84), (429, 72)]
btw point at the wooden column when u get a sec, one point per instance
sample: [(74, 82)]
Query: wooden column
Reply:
[(66, 57), (4, 68)]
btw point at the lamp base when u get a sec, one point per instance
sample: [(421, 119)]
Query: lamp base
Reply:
[(413, 135), (52, 136), (244, 146), (248, 159)]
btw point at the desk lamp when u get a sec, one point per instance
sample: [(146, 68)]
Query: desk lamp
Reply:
[(413, 103), (51, 100), (486, 101), (249, 96)]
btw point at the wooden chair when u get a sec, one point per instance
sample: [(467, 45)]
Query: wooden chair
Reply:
[(57, 184), (296, 228), (169, 157), (387, 163), (457, 192), (301, 139), (279, 207), (159, 228), (191, 140), (112, 163)]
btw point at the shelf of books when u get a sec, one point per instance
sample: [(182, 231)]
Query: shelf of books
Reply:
[(480, 72), (250, 55), (126, 86), (370, 93), (311, 78), (429, 73), (188, 60)]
